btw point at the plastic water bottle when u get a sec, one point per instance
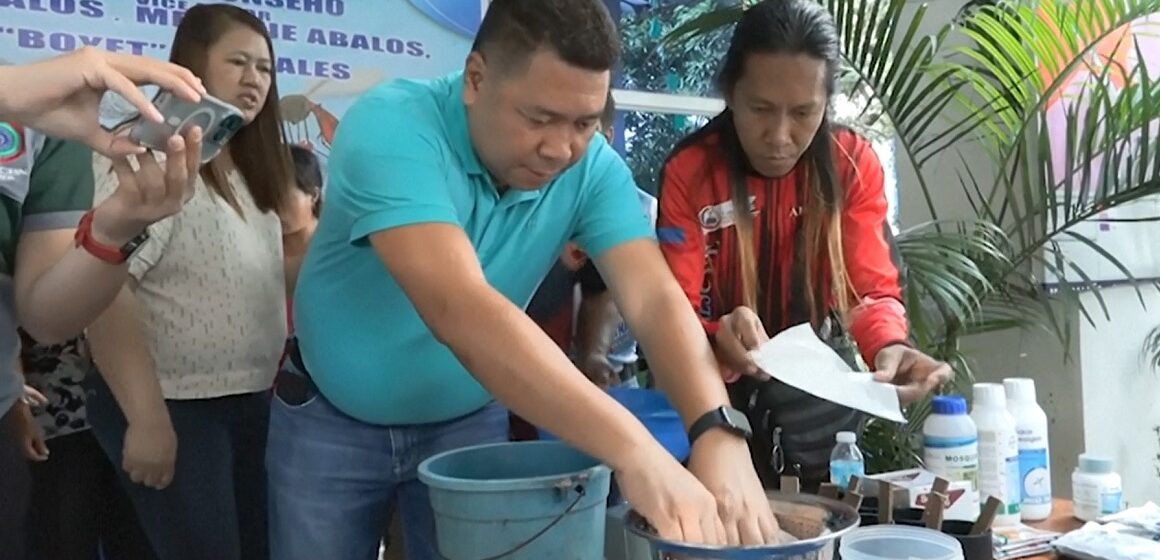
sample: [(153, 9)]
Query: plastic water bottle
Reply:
[(998, 451), (950, 441), (1034, 455), (846, 460)]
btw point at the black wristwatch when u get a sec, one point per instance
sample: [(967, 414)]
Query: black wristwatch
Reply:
[(726, 418)]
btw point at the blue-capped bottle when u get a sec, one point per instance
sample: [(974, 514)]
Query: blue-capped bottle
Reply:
[(951, 441), (846, 460)]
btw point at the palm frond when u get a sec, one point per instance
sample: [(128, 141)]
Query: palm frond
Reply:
[(1151, 349), (883, 47), (947, 266), (702, 25)]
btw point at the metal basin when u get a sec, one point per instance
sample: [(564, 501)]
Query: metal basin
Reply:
[(817, 523)]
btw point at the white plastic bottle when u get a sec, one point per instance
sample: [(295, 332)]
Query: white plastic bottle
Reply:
[(998, 451), (950, 441), (1096, 488), (1034, 451), (846, 460)]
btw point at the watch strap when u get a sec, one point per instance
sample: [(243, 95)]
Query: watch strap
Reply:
[(107, 253), (729, 419)]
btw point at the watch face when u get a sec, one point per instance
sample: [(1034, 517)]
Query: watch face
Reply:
[(737, 420)]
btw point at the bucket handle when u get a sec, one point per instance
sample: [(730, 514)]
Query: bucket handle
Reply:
[(575, 484)]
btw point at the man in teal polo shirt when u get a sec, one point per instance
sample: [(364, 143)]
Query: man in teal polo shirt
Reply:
[(448, 202)]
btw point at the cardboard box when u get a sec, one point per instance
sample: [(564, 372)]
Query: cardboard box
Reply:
[(912, 487)]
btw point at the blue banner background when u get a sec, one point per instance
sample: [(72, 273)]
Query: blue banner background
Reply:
[(329, 51)]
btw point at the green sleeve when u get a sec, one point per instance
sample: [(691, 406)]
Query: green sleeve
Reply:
[(60, 187)]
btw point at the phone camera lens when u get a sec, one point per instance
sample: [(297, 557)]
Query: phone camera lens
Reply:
[(228, 126), (221, 134)]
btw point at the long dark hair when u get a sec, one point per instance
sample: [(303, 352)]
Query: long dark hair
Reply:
[(786, 27), (259, 149)]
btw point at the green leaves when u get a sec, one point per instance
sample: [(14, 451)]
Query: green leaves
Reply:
[(652, 64), (708, 22), (948, 267)]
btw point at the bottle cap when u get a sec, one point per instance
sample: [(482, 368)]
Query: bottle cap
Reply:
[(1095, 464), (949, 405), (1020, 389), (847, 437), (990, 395)]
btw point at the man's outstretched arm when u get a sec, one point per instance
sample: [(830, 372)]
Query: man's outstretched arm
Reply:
[(679, 354), (499, 344)]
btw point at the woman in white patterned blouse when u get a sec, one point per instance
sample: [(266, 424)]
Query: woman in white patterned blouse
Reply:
[(202, 321)]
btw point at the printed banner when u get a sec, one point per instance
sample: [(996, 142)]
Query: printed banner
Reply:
[(328, 51)]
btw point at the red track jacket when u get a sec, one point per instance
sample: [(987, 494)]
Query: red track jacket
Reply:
[(694, 229)]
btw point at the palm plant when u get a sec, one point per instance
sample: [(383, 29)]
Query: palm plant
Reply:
[(993, 95)]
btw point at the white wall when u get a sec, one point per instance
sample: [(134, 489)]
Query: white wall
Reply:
[(1120, 391)]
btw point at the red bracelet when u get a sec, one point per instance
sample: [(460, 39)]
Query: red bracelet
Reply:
[(106, 253)]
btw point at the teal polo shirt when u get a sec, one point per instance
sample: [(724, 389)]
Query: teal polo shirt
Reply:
[(402, 156)]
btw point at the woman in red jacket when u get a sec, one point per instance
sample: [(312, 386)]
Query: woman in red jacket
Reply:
[(814, 245)]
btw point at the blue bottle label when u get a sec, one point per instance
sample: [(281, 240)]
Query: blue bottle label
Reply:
[(842, 471), (1111, 502), (1035, 476)]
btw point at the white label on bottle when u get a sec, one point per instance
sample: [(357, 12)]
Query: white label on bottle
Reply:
[(953, 458), (1086, 497), (999, 469)]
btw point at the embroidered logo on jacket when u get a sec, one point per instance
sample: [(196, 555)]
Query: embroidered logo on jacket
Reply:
[(721, 216)]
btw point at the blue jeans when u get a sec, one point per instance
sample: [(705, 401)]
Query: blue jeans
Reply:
[(332, 477), (216, 505)]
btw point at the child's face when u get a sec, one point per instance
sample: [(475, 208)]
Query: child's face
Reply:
[(300, 213)]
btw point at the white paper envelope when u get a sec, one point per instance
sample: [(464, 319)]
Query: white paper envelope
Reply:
[(797, 357)]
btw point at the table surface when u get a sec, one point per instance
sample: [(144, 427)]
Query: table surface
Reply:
[(1061, 520)]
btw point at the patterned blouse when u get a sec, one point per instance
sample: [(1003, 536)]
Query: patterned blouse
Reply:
[(212, 292), (56, 371)]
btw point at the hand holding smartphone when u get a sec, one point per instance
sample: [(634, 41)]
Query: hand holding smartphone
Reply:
[(218, 120)]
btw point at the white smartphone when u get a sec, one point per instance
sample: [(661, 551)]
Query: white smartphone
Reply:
[(219, 121)]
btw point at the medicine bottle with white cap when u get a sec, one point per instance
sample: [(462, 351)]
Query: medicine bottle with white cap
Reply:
[(998, 452), (1096, 488), (951, 441)]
